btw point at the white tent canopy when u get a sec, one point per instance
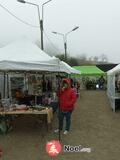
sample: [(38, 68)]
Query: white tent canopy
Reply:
[(23, 50), (114, 70), (71, 70), (26, 55), (111, 88), (24, 66)]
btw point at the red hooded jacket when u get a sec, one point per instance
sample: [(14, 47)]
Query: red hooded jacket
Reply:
[(67, 97)]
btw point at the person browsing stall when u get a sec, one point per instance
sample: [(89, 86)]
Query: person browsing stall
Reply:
[(67, 100)]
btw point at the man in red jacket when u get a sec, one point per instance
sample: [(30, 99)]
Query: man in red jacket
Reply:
[(67, 99)]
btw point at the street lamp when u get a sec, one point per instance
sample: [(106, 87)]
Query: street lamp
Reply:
[(41, 23), (40, 20), (22, 1), (43, 8), (65, 39)]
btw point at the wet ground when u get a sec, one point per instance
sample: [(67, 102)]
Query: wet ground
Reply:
[(94, 125)]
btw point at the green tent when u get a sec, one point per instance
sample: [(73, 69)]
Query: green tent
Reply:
[(89, 70)]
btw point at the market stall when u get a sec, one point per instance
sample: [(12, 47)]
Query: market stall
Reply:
[(91, 76), (113, 87), (28, 78)]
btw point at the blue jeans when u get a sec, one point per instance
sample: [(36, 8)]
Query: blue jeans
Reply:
[(67, 116)]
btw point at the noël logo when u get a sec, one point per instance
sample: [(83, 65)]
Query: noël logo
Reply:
[(68, 148), (53, 148)]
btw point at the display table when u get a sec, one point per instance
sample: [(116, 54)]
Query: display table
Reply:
[(46, 113)]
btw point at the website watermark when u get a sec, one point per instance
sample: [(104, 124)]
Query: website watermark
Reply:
[(78, 148), (54, 148)]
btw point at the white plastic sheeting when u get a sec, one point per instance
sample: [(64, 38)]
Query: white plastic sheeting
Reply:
[(114, 71), (111, 86), (24, 55), (24, 66), (64, 66), (23, 50)]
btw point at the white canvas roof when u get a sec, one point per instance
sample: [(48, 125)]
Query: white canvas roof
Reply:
[(23, 50), (114, 70), (69, 68), (24, 55)]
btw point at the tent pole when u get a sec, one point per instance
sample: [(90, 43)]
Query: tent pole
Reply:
[(8, 86), (4, 85), (59, 136), (25, 76), (43, 80)]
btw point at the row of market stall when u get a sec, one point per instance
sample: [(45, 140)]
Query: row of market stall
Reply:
[(25, 58), (111, 74), (29, 79), (91, 77)]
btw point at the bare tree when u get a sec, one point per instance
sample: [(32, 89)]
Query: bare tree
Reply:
[(83, 57), (95, 59), (103, 58)]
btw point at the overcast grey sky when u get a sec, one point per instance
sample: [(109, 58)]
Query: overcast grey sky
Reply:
[(99, 22)]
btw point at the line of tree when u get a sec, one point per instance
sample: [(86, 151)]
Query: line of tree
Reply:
[(84, 60), (78, 60)]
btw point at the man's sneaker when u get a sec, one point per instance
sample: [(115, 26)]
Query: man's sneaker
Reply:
[(66, 132), (56, 130)]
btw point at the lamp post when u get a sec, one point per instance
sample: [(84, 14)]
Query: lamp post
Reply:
[(40, 20), (65, 39), (41, 23)]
